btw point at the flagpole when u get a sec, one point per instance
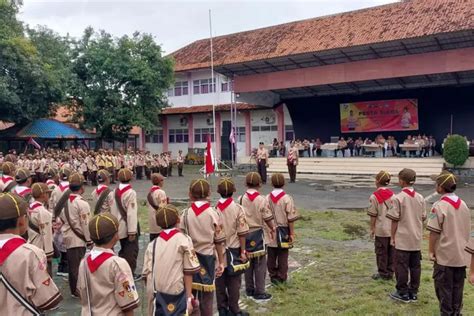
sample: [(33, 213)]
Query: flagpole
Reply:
[(213, 85)]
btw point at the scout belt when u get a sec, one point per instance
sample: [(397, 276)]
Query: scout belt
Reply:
[(235, 266), (255, 243), (204, 280)]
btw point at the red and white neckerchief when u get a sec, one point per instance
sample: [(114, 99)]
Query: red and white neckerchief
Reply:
[(123, 188), (383, 194), (452, 199), (252, 195), (22, 191), (410, 191), (72, 197), (154, 188), (100, 189), (50, 182), (200, 206), (222, 204), (63, 186), (96, 258), (7, 179), (8, 246), (276, 195), (167, 234), (34, 207)]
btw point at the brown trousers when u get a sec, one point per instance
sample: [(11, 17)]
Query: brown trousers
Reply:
[(277, 263), (129, 251), (262, 170), (228, 292), (449, 287), (206, 303), (384, 253), (255, 275), (408, 267), (180, 169), (74, 257), (111, 171), (292, 172)]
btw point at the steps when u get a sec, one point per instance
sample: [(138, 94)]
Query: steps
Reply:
[(424, 167)]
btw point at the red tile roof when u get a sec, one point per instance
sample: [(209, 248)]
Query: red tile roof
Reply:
[(208, 108), (401, 20)]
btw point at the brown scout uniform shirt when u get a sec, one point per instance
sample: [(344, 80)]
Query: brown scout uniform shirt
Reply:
[(26, 270), (262, 154), (109, 200), (379, 204), (57, 194), (233, 220), (159, 196), (451, 218), (174, 257), (127, 226), (470, 246), (283, 208), (40, 217), (109, 282), (257, 211), (79, 214), (409, 210), (204, 227)]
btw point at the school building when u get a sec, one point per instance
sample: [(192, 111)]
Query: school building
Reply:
[(293, 78)]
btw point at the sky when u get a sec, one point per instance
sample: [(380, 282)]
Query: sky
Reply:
[(176, 23)]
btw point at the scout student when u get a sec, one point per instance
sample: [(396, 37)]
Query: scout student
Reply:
[(24, 181), (156, 197), (105, 282), (7, 182), (75, 217), (380, 226), (40, 232), (26, 288), (61, 193), (449, 224), (180, 163), (236, 229), (102, 195), (285, 214), (407, 214), (125, 208), (168, 268), (292, 162), (262, 162), (51, 176), (203, 224), (259, 217)]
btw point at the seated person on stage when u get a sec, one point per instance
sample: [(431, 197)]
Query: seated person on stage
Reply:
[(358, 146), (426, 146), (432, 144), (317, 147), (392, 145), (409, 141), (341, 146), (350, 145), (421, 143), (306, 148), (380, 140), (282, 149)]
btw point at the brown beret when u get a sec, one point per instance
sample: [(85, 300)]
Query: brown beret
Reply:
[(446, 180), (102, 226), (39, 188), (278, 179), (65, 173), (225, 186), (51, 172), (167, 216), (407, 175), (253, 179), (102, 175), (125, 175), (199, 189), (10, 158), (8, 168), (157, 178), (22, 175), (76, 179), (383, 177), (12, 206)]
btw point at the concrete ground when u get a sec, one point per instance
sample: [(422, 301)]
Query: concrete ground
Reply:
[(313, 192)]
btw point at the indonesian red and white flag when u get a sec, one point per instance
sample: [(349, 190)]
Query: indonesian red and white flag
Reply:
[(209, 157), (232, 136), (32, 142)]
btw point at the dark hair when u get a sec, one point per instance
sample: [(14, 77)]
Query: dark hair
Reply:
[(228, 195), (8, 224), (21, 181), (128, 181), (279, 186), (74, 187), (252, 186), (450, 189), (102, 241)]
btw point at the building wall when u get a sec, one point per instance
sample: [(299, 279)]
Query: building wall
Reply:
[(266, 123)]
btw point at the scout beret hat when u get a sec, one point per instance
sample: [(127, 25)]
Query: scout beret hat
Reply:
[(102, 226), (225, 186), (407, 175), (125, 175), (8, 168), (445, 179), (51, 172), (199, 188), (167, 216), (102, 175), (383, 177), (278, 179), (10, 158), (12, 206), (156, 178), (65, 173), (76, 179), (253, 179), (22, 175), (39, 188)]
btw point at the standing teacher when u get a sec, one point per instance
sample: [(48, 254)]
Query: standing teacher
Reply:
[(292, 161), (262, 162)]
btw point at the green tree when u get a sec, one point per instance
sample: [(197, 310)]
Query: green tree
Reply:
[(122, 82), (456, 150)]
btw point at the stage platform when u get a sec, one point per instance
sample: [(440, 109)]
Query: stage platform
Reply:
[(424, 167)]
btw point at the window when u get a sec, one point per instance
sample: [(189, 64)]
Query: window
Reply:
[(204, 86), (180, 88), (289, 133), (240, 135), (178, 136), (200, 134), (265, 128), (155, 137), (227, 85)]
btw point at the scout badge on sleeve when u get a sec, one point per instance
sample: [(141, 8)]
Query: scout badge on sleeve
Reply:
[(235, 266), (167, 304), (282, 232), (255, 244)]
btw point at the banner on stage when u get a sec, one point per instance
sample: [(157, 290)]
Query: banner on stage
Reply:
[(379, 116)]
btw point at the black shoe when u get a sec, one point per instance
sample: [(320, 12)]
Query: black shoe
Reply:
[(381, 277), (250, 293), (404, 298), (223, 312), (262, 298), (376, 276), (413, 297)]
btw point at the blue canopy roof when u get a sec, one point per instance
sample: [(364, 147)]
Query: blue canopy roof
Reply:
[(52, 129)]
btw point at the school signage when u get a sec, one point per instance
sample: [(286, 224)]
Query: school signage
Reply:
[(379, 116)]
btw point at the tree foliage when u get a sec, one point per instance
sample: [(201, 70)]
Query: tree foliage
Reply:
[(121, 82), (456, 150)]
